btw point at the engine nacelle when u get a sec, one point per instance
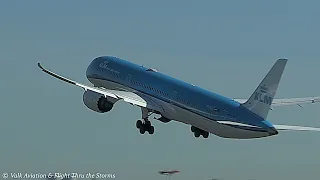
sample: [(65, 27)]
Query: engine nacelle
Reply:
[(97, 102)]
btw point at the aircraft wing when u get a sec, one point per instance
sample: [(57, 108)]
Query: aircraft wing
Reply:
[(129, 97), (289, 101), (295, 128)]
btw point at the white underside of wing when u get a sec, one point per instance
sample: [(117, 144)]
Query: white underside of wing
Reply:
[(129, 97), (98, 90), (295, 128)]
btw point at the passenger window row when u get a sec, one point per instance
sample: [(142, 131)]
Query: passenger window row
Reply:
[(149, 87), (184, 101), (215, 110)]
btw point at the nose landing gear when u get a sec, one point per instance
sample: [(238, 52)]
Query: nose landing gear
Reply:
[(144, 124)]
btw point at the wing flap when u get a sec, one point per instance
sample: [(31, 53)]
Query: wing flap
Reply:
[(129, 97)]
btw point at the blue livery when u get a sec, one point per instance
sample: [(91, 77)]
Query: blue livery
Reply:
[(153, 92)]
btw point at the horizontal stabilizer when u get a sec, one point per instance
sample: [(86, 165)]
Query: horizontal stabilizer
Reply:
[(295, 128), (288, 101)]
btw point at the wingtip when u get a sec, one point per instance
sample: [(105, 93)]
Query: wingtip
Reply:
[(39, 65)]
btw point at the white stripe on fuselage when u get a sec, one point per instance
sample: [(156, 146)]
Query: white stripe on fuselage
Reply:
[(182, 115), (237, 124)]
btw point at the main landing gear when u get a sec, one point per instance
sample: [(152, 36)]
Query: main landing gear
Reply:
[(145, 125), (197, 132)]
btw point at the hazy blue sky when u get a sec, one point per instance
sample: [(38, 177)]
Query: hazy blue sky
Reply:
[(223, 46)]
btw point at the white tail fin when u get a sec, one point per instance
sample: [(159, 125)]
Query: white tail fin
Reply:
[(261, 99)]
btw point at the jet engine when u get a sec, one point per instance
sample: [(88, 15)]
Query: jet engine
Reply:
[(97, 102)]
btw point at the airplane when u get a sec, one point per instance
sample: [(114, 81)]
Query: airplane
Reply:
[(115, 79), (168, 172)]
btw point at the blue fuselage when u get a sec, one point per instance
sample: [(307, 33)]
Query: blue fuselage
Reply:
[(178, 93)]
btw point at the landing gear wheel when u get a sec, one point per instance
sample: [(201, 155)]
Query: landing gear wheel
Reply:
[(142, 130), (139, 124), (147, 123), (145, 126), (205, 134), (151, 129), (193, 129), (196, 134)]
